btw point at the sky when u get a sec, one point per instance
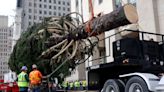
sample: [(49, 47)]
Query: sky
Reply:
[(7, 7)]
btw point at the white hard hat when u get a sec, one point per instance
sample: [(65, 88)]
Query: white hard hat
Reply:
[(34, 66)]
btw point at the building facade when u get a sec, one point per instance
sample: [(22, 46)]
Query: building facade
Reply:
[(29, 12), (6, 34), (4, 21)]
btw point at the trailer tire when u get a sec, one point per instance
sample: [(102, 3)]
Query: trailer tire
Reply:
[(113, 85), (136, 84)]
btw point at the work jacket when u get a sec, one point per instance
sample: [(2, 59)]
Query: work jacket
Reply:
[(35, 77)]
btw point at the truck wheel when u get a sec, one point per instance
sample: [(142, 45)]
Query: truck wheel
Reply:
[(136, 84), (113, 85)]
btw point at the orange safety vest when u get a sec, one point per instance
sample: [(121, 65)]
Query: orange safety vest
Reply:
[(35, 77)]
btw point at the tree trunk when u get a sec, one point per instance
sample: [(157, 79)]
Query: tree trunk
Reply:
[(120, 17), (124, 15)]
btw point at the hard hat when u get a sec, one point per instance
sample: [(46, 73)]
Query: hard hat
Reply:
[(34, 66), (24, 68)]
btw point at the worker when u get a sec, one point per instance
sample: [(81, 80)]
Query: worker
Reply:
[(71, 85), (81, 86), (67, 83), (84, 84), (35, 79), (64, 85), (77, 85), (23, 80)]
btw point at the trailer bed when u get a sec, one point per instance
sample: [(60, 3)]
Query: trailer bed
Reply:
[(98, 74)]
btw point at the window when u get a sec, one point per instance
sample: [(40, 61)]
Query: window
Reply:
[(59, 2), (132, 2), (45, 12), (68, 9), (50, 7), (63, 8), (102, 54), (19, 3), (29, 23), (35, 17), (45, 0), (117, 3), (30, 4), (40, 0), (54, 7), (40, 18), (29, 10), (49, 1), (100, 1), (77, 3), (59, 8), (40, 12), (45, 6), (54, 13), (59, 14), (50, 13), (35, 5), (63, 3), (54, 1), (40, 6), (68, 3)]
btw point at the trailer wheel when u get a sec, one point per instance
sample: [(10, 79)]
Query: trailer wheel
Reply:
[(113, 85), (136, 84)]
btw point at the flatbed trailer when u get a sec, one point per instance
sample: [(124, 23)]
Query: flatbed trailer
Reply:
[(128, 73)]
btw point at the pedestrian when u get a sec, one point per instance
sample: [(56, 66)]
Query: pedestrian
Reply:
[(35, 79), (23, 80)]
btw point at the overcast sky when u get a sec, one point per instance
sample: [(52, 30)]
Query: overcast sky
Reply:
[(7, 8)]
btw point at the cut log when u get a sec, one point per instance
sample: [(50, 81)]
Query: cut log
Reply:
[(124, 15)]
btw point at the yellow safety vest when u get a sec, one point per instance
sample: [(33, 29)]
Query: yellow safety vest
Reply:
[(64, 84), (22, 82), (71, 85), (84, 83), (77, 84)]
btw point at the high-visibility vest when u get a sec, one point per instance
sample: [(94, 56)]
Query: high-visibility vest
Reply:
[(35, 77), (77, 84), (22, 82), (71, 85), (64, 84), (84, 83)]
